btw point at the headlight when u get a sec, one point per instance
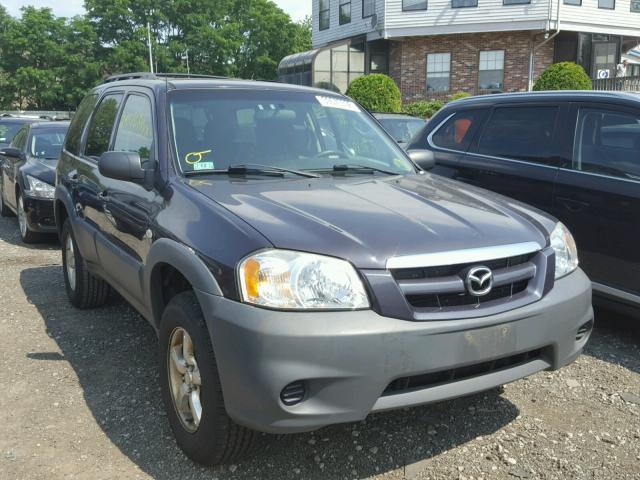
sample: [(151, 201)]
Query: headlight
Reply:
[(40, 189), (286, 279), (564, 245)]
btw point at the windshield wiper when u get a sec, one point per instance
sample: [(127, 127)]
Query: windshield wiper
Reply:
[(362, 169), (254, 168)]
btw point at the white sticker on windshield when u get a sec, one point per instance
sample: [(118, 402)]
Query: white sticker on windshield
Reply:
[(333, 102)]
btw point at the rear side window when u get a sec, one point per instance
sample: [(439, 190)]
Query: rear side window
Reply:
[(521, 133), (608, 143), (135, 129), (458, 131), (102, 125), (74, 136)]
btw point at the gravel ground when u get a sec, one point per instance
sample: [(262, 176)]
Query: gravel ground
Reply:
[(79, 398)]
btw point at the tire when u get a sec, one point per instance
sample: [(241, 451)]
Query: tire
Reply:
[(84, 289), (4, 210), (216, 439), (27, 235)]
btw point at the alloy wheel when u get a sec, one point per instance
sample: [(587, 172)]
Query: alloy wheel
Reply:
[(184, 379), (22, 217), (70, 261)]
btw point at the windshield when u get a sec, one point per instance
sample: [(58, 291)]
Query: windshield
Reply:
[(213, 130), (8, 131), (47, 144), (402, 129)]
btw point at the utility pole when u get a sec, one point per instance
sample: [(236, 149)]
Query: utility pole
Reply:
[(188, 69), (150, 50)]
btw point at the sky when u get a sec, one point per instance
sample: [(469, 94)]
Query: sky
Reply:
[(298, 9)]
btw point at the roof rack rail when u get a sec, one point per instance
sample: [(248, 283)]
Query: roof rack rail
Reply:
[(158, 76)]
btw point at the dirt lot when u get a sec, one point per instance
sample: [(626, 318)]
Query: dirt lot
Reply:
[(79, 398)]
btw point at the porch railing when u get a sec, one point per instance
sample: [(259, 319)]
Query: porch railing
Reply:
[(621, 84)]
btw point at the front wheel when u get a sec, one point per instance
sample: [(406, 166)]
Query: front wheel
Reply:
[(191, 387), (4, 210), (27, 235), (84, 289)]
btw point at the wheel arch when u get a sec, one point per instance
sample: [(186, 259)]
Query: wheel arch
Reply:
[(172, 267)]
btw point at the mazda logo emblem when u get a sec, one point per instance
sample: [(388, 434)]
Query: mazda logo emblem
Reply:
[(479, 281)]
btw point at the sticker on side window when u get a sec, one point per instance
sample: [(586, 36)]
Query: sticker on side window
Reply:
[(333, 102)]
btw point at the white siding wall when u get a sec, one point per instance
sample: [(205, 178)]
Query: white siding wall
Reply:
[(489, 16), (590, 18), (358, 25)]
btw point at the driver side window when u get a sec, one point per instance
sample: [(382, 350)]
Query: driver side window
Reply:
[(607, 142)]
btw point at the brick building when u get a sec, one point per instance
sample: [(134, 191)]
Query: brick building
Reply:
[(433, 48)]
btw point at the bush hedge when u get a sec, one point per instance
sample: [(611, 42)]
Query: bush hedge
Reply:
[(376, 93), (563, 76), (423, 108)]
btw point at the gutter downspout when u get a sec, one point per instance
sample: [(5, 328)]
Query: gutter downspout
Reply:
[(544, 42)]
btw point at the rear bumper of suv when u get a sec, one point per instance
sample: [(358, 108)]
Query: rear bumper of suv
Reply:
[(349, 364)]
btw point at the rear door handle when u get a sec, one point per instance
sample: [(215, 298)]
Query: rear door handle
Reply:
[(573, 204)]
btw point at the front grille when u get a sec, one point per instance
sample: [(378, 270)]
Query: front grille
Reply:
[(428, 380), (449, 270), (438, 288)]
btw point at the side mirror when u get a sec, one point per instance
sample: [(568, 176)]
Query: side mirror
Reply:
[(122, 166), (424, 158), (12, 153)]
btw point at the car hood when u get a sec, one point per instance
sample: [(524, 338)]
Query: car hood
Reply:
[(368, 220)]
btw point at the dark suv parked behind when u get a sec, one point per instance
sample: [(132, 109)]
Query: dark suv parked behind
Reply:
[(299, 269), (573, 154)]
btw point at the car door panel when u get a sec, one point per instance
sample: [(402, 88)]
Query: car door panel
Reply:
[(599, 205)]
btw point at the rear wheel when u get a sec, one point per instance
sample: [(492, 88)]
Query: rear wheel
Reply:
[(191, 387), (28, 235), (4, 210), (84, 289)]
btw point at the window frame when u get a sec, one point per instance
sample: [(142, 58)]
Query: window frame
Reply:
[(153, 153), (83, 128), (504, 60), (448, 72), (453, 5), (483, 113), (421, 9), (573, 3), (570, 161), (344, 3), (607, 8), (510, 3), (373, 8), (85, 135), (631, 4), (557, 144), (327, 10)]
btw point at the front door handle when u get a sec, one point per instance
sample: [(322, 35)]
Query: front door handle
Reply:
[(572, 204)]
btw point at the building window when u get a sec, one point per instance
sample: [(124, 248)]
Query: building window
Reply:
[(369, 8), (516, 2), (577, 3), (491, 72), (438, 70), (607, 4), (635, 6), (464, 3), (345, 12), (411, 5), (324, 17)]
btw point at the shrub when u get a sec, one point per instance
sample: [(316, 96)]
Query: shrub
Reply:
[(563, 76), (376, 93), (459, 95), (423, 108)]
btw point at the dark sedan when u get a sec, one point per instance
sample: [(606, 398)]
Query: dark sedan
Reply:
[(28, 175), (401, 127)]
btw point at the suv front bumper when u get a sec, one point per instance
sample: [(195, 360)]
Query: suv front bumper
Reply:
[(348, 359)]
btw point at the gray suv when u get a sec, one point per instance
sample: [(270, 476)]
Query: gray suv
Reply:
[(299, 268)]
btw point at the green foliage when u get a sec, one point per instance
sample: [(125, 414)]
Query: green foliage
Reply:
[(423, 108), (48, 62), (563, 76), (459, 96), (376, 93)]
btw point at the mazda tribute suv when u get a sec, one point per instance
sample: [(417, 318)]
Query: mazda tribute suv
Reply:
[(299, 268)]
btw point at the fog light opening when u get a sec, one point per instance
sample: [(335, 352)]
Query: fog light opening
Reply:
[(584, 330), (293, 393)]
